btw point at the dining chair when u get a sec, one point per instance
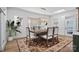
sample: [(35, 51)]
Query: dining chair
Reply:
[(49, 35), (55, 34), (29, 35), (52, 33)]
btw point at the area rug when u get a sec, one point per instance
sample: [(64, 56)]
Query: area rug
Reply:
[(40, 45)]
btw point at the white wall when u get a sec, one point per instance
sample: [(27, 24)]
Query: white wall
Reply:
[(0, 30), (3, 18), (60, 18), (24, 14)]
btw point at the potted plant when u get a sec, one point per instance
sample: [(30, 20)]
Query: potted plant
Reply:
[(12, 28)]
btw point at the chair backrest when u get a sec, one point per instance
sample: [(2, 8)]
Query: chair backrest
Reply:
[(55, 31), (27, 32), (50, 31)]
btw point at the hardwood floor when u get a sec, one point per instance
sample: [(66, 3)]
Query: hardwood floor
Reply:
[(69, 47), (12, 46)]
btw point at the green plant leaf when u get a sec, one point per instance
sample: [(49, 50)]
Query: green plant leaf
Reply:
[(11, 28), (18, 31), (18, 23), (8, 23), (12, 24)]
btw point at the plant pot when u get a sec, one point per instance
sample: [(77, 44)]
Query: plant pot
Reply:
[(10, 38)]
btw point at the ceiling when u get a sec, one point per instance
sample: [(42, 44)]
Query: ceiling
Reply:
[(47, 10)]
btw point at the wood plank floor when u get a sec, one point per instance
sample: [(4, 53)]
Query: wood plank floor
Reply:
[(12, 46), (69, 47)]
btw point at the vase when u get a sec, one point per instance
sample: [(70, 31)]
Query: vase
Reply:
[(10, 38)]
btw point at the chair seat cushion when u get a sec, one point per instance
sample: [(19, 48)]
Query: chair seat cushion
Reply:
[(49, 37), (45, 37), (31, 37)]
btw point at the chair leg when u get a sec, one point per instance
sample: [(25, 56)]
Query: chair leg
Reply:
[(26, 40), (57, 40), (47, 43), (29, 43), (53, 40)]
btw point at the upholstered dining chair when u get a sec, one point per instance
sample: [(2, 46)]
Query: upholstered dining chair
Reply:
[(52, 33), (55, 34), (49, 35), (29, 35)]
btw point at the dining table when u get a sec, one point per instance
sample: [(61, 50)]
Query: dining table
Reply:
[(39, 33)]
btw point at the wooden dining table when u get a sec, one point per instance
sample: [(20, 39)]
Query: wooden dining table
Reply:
[(39, 33)]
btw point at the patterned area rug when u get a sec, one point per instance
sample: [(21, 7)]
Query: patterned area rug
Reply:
[(40, 45)]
